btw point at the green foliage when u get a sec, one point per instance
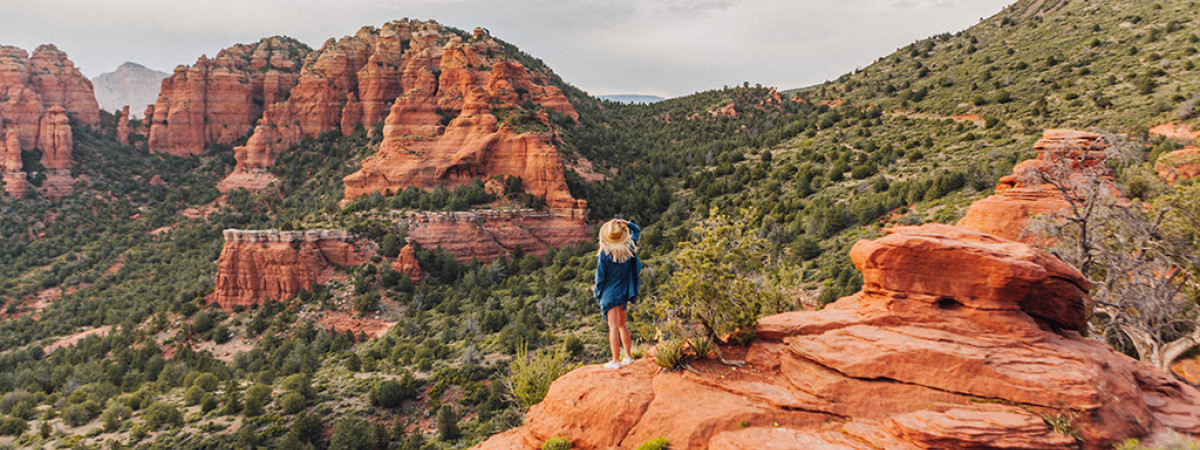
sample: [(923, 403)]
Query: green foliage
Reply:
[(557, 443), (447, 424), (161, 413), (1064, 424), (293, 403), (670, 354), (530, 374), (702, 346), (76, 415), (351, 433), (658, 443), (718, 280), (391, 393), (12, 426)]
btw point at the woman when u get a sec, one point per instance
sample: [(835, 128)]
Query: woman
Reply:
[(617, 283)]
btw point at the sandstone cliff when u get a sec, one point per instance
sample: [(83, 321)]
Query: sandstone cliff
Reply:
[(406, 263), (130, 84), (487, 235), (37, 94), (257, 266), (1023, 194), (217, 101), (981, 356), (123, 127)]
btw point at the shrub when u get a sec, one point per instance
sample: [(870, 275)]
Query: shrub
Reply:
[(669, 355), (447, 424), (76, 415), (530, 375), (556, 443), (206, 381), (293, 403), (194, 395), (351, 433), (702, 346), (161, 413), (655, 444), (390, 394), (12, 426)]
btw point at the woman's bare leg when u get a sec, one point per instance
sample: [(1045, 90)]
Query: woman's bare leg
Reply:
[(614, 316), (625, 338)]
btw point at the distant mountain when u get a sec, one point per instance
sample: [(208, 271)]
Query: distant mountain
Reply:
[(131, 84), (630, 98)]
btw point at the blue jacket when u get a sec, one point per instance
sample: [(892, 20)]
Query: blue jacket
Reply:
[(618, 283)]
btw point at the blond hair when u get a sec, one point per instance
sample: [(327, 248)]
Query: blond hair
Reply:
[(616, 240)]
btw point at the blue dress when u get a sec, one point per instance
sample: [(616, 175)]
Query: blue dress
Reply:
[(617, 283)]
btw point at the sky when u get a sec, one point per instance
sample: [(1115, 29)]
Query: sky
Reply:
[(649, 47)]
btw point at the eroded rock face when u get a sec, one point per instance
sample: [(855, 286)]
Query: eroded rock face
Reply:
[(123, 127), (37, 93), (258, 266), (1179, 165), (914, 360), (1021, 194), (488, 235), (406, 263), (218, 100)]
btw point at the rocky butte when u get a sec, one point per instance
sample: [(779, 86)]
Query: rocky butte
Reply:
[(258, 266), (39, 93), (1023, 194), (958, 339), (217, 101)]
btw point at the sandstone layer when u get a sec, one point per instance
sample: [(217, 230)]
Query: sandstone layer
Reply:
[(983, 356), (1179, 165), (216, 101), (258, 266), (1023, 193), (487, 235), (39, 94)]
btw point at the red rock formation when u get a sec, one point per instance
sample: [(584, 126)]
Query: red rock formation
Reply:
[(123, 126), (258, 266), (1179, 165), (37, 94), (488, 235), (1182, 132), (406, 263), (1022, 194), (917, 359), (58, 82), (14, 176), (217, 101)]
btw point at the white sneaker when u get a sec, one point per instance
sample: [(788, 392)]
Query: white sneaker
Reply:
[(627, 361), (612, 365)]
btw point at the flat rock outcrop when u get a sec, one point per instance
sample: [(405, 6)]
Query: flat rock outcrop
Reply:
[(982, 356), (1179, 165), (39, 93), (1022, 194), (217, 101), (264, 265), (487, 235)]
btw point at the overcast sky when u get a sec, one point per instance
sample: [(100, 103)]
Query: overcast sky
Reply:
[(657, 47)]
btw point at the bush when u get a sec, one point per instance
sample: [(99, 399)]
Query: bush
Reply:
[(351, 433), (530, 375), (162, 413), (556, 443), (669, 355), (12, 426), (447, 424), (293, 403), (391, 393), (655, 444), (206, 381), (76, 415), (193, 396)]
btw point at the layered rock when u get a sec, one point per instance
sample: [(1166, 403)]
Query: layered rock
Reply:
[(123, 127), (217, 101), (406, 263), (963, 358), (486, 235), (39, 93), (130, 84), (1179, 165), (1024, 193), (14, 176), (260, 266)]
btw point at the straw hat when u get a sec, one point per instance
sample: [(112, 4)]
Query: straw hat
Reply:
[(614, 232)]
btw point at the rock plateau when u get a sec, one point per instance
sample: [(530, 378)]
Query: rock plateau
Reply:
[(257, 266), (981, 356), (487, 235)]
